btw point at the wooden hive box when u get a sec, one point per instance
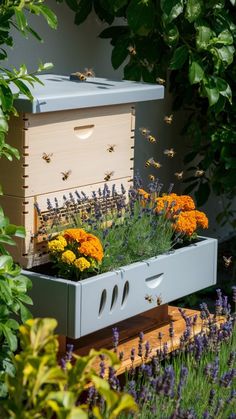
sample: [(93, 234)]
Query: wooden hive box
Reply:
[(73, 135)]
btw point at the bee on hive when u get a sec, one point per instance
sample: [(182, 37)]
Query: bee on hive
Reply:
[(66, 174), (111, 148), (168, 119), (149, 298), (108, 176), (144, 131), (47, 157), (179, 175), (169, 152), (151, 178), (159, 300), (154, 163), (151, 139)]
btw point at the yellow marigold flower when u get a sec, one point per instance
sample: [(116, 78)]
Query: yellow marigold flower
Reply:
[(55, 246), (82, 264), (62, 240), (201, 218), (75, 234), (186, 223), (68, 257)]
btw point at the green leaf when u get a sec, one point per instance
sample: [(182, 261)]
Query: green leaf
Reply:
[(225, 37), (113, 6), (20, 20), (114, 32), (83, 10), (133, 71), (141, 16), (73, 5), (226, 54), (171, 35), (179, 58), (120, 52), (10, 337), (171, 9), (202, 194), (3, 124), (196, 73), (49, 15), (204, 35), (24, 313), (210, 90), (224, 88), (194, 9), (7, 240)]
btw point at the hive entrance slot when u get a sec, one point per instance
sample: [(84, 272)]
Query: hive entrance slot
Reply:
[(84, 132), (154, 281)]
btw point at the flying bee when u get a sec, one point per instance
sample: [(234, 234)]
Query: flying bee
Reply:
[(47, 157), (179, 175), (156, 164), (144, 131), (151, 139), (159, 300), (108, 176), (148, 163), (132, 50), (199, 173), (169, 152), (149, 298), (66, 174), (168, 119), (111, 148), (88, 72), (151, 178), (227, 261), (160, 81)]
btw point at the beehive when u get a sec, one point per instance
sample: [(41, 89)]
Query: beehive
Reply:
[(74, 135)]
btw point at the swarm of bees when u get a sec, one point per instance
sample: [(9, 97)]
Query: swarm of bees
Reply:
[(169, 153), (132, 50), (82, 76), (146, 133), (227, 261), (47, 157), (108, 176), (111, 148), (179, 175), (66, 174), (168, 119), (199, 173), (152, 163), (150, 299)]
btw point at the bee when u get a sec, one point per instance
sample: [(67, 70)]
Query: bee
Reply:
[(151, 139), (148, 163), (169, 152), (149, 298), (151, 178), (160, 81), (132, 50), (227, 261), (199, 173), (66, 174), (88, 72), (80, 76), (156, 164), (111, 147), (108, 176), (47, 157), (84, 216), (144, 131), (179, 175), (168, 119), (159, 300)]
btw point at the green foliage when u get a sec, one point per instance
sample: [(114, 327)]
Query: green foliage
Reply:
[(13, 285), (195, 41), (41, 388)]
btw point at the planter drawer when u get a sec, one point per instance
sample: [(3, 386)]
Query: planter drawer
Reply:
[(106, 299)]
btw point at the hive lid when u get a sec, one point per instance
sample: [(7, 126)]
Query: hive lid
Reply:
[(60, 93)]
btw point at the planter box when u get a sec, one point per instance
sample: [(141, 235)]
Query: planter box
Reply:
[(97, 302)]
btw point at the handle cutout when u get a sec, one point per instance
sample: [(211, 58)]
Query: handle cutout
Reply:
[(103, 299), (114, 298), (84, 132), (154, 281)]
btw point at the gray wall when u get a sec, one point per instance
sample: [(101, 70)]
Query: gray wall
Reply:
[(73, 48)]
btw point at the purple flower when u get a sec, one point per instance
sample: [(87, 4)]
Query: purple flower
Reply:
[(171, 329), (234, 294), (147, 350), (211, 397), (115, 338), (182, 380), (132, 354)]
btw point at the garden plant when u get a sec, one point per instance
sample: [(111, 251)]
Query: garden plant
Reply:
[(189, 46)]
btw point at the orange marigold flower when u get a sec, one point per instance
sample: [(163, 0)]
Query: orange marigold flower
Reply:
[(185, 203), (174, 202), (201, 218), (143, 193), (92, 248), (186, 223), (75, 234)]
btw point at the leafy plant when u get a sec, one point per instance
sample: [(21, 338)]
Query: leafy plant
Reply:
[(13, 285), (194, 42), (41, 388)]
